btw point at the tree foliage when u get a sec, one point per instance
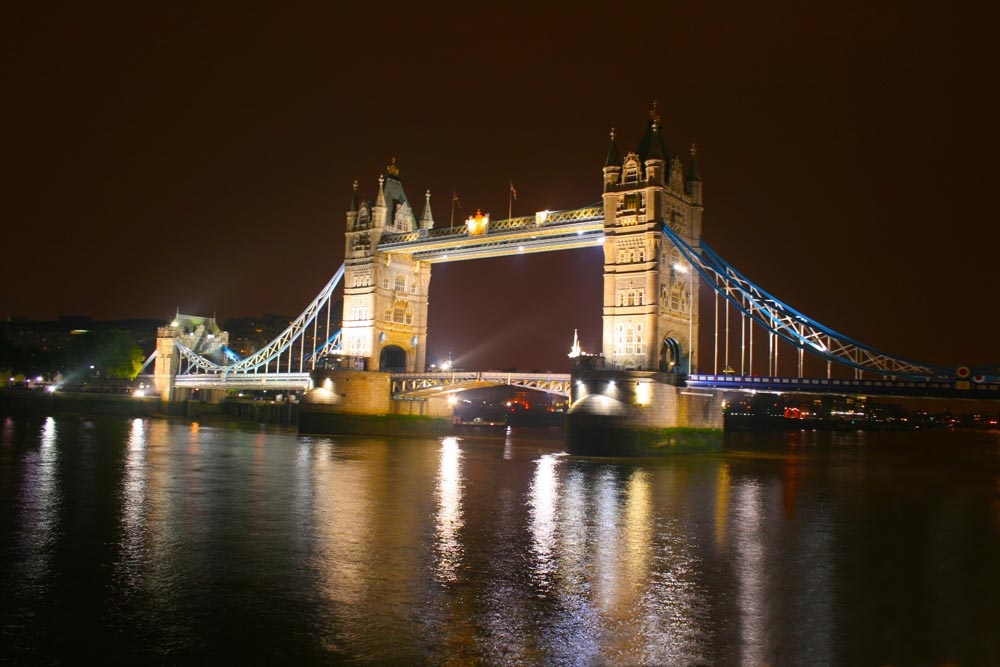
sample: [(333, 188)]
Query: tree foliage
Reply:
[(113, 355)]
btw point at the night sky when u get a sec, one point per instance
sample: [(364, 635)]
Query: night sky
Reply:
[(165, 155)]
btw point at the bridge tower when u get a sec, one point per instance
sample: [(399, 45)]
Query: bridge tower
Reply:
[(650, 292), (385, 295)]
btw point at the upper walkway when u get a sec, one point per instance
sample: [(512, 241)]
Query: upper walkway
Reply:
[(545, 231)]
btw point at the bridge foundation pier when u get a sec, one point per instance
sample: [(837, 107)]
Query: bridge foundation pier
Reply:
[(344, 402), (635, 413)]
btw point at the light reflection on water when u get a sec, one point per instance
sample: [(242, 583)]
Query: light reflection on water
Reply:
[(200, 542), (449, 513)]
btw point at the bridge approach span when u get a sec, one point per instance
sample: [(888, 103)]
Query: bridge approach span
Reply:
[(422, 385), (848, 387)]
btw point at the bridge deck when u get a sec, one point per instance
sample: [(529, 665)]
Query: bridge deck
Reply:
[(847, 387), (543, 232), (428, 384)]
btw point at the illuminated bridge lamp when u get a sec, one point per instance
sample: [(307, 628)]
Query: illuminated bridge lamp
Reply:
[(479, 223)]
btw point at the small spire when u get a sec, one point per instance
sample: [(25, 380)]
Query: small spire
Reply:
[(354, 198), (693, 175), (380, 199), (654, 115), (575, 350), (427, 219), (614, 159)]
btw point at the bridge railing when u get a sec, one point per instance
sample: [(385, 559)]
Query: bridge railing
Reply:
[(550, 219)]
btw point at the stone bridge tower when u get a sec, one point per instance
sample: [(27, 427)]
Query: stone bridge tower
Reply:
[(650, 292), (385, 295)]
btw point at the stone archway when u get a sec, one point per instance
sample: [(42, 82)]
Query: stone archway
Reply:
[(670, 356), (392, 359)]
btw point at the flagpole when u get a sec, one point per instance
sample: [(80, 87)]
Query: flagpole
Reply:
[(510, 199), (452, 224)]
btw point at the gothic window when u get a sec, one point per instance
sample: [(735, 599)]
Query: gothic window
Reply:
[(631, 171), (400, 283), (632, 202), (385, 283), (387, 316), (679, 298), (413, 286), (409, 318)]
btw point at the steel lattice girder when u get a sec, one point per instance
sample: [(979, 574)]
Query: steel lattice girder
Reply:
[(791, 325)]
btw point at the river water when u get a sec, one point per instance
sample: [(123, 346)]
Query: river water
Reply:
[(163, 542)]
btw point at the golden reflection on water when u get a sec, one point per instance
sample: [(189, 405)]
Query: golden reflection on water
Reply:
[(343, 509), (448, 520), (749, 559), (542, 499), (40, 502), (722, 485), (133, 493)]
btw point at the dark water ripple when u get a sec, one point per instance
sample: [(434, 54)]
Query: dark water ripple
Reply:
[(165, 542)]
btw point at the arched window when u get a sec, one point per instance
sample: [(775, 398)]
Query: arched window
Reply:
[(400, 285)]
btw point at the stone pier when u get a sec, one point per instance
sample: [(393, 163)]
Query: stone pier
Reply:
[(636, 413), (345, 402)]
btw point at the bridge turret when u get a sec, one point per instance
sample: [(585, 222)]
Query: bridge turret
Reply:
[(612, 165), (427, 219), (692, 184), (655, 158), (352, 212), (650, 313), (379, 209)]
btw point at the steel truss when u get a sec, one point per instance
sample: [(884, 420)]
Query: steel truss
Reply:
[(416, 384), (282, 353), (790, 325)]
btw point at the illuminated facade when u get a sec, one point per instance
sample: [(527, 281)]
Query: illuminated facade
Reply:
[(385, 295), (650, 316)]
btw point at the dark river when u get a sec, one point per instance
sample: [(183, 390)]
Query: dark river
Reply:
[(159, 542)]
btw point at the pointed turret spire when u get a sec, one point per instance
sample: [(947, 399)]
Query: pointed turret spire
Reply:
[(355, 203), (614, 159), (427, 219), (575, 350), (693, 175), (652, 146), (380, 199)]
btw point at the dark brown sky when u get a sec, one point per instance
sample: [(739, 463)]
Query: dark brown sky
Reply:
[(159, 155)]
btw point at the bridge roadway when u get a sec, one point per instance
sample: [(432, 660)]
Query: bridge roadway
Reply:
[(421, 385), (415, 385), (847, 387)]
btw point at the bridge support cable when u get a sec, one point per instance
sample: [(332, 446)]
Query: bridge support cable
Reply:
[(715, 363), (790, 325), (281, 349)]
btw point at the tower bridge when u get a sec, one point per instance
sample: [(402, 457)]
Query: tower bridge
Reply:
[(649, 224)]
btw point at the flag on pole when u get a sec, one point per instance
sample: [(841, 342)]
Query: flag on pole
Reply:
[(513, 192), (454, 198)]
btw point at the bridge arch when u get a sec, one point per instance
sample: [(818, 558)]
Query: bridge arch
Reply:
[(392, 359), (670, 355)]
